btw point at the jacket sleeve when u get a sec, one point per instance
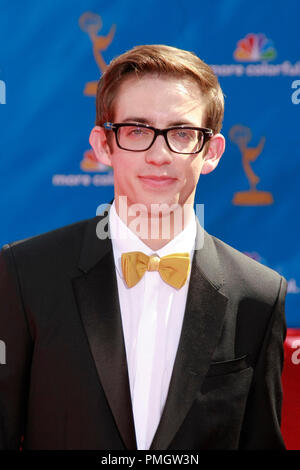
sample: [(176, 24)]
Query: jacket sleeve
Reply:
[(16, 351), (261, 427)]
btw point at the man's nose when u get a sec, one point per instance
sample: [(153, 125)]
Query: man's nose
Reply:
[(159, 153)]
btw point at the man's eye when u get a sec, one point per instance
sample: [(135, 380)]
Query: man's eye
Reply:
[(182, 135), (136, 131)]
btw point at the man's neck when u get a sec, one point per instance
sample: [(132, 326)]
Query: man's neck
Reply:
[(155, 227)]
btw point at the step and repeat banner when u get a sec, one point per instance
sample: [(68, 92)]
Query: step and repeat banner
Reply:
[(52, 54)]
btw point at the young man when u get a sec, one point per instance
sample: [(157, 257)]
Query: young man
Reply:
[(154, 334)]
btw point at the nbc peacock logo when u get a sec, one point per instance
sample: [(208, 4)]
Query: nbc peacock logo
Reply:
[(254, 48)]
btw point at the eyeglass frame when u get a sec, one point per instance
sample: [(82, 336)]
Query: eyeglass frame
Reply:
[(115, 126)]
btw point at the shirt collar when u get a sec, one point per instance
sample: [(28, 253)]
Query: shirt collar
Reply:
[(124, 240)]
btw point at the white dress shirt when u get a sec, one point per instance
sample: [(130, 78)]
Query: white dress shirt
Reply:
[(152, 314)]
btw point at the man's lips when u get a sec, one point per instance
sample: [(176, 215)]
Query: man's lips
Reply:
[(157, 181)]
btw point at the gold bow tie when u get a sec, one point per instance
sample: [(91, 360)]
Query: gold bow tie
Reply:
[(173, 269)]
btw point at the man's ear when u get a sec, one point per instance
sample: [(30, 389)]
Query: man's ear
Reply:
[(214, 153), (98, 141)]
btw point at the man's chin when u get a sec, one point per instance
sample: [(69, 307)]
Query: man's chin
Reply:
[(153, 207), (155, 210)]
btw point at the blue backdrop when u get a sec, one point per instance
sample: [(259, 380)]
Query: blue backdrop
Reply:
[(51, 54)]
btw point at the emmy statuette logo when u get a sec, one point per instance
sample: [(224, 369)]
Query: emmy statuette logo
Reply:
[(91, 23), (241, 136)]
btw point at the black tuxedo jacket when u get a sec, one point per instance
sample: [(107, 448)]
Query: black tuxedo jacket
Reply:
[(64, 383)]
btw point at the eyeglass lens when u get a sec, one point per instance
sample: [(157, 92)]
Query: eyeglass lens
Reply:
[(141, 138)]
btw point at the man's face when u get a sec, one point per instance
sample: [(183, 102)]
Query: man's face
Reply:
[(157, 175)]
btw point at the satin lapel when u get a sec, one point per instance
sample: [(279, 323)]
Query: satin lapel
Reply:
[(96, 292), (201, 330)]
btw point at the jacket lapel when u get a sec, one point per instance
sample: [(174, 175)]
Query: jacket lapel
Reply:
[(203, 319), (96, 292)]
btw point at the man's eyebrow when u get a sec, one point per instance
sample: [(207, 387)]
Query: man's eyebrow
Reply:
[(182, 123), (140, 120)]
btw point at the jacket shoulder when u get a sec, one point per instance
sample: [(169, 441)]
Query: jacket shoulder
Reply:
[(54, 246), (247, 275)]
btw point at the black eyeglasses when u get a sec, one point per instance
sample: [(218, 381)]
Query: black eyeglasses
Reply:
[(140, 137)]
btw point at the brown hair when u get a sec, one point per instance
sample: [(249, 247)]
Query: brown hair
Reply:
[(162, 60)]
